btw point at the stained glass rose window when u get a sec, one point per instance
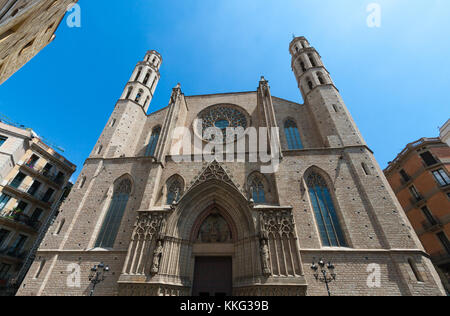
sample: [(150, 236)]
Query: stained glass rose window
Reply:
[(221, 117)]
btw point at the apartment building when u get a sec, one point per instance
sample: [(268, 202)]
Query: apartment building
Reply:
[(420, 178), (33, 178)]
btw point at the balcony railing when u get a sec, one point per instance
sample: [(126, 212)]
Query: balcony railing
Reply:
[(416, 199), (39, 195), (13, 253), (18, 216), (52, 176), (432, 225)]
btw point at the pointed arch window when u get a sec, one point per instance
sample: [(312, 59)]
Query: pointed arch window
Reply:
[(302, 64), (325, 213), (151, 148), (130, 89), (174, 191), (138, 74), (257, 191), (320, 77), (311, 59), (292, 135), (147, 76), (111, 223)]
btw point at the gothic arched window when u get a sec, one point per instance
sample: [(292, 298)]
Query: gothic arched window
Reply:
[(113, 217), (174, 191), (325, 213), (320, 77), (302, 64), (147, 76), (311, 59), (310, 84), (138, 75), (153, 142), (292, 135), (256, 188), (130, 89)]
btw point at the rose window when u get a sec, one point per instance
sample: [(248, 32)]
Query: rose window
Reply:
[(220, 117)]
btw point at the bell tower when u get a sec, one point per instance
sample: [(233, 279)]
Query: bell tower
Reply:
[(333, 120), (118, 138), (142, 84)]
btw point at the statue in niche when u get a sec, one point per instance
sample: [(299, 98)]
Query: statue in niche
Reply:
[(265, 257), (157, 253), (214, 230)]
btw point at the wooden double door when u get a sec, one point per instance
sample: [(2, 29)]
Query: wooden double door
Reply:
[(213, 276)]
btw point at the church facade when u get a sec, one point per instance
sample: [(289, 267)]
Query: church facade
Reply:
[(169, 220)]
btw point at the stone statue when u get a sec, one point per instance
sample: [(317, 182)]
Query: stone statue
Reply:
[(157, 257), (265, 257)]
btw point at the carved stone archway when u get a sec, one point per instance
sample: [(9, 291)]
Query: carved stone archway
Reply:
[(161, 257)]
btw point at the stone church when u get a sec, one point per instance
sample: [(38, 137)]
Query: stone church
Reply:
[(169, 222)]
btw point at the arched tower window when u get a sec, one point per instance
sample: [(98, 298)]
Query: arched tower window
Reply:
[(113, 218), (311, 59), (153, 142), (138, 74), (174, 191), (320, 77), (302, 64), (292, 135), (325, 213), (310, 84), (147, 76), (130, 89)]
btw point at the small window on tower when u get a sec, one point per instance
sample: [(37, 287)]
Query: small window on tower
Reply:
[(138, 74), (320, 77), (310, 84), (302, 64), (83, 181), (365, 168), (130, 89), (147, 76), (311, 59)]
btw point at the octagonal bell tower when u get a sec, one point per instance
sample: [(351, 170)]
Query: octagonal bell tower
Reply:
[(334, 122)]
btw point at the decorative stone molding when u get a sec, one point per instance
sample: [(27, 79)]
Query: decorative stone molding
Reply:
[(149, 233), (271, 290), (152, 290), (213, 171), (280, 256)]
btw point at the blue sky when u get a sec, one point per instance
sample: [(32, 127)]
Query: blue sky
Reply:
[(394, 79)]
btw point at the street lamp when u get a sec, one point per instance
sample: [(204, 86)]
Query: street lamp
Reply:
[(328, 274), (97, 275)]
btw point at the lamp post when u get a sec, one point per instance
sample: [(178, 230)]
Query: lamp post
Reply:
[(97, 275), (327, 271)]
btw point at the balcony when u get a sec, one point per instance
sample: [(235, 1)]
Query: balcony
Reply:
[(13, 253), (432, 225), (16, 215), (416, 200), (30, 192), (47, 174)]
